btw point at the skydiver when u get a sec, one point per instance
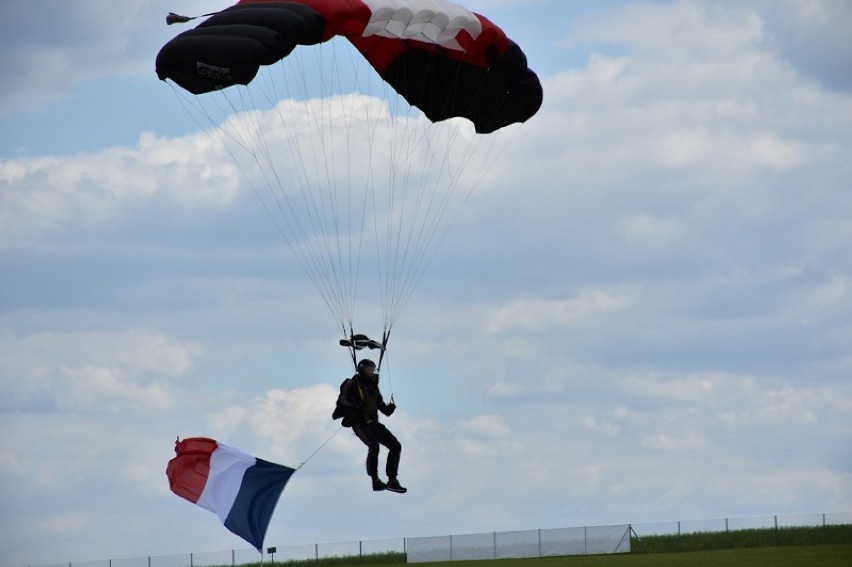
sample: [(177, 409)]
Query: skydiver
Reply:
[(360, 403)]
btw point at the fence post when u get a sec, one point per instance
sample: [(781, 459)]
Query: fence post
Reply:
[(729, 539), (539, 542)]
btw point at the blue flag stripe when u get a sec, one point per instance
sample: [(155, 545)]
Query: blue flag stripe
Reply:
[(256, 500)]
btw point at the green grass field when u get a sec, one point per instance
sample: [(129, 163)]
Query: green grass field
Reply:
[(836, 555), (824, 546), (797, 556)]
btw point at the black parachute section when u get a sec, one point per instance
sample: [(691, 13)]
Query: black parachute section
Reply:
[(229, 47), (490, 83)]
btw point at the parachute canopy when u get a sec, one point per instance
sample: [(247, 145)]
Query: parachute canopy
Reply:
[(442, 58), (358, 124)]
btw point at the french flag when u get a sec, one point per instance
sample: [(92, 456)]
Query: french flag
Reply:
[(242, 490)]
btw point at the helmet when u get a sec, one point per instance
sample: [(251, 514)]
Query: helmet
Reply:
[(366, 363)]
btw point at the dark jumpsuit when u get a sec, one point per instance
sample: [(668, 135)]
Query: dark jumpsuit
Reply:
[(364, 397)]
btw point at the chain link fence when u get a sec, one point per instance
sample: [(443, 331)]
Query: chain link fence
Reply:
[(585, 540)]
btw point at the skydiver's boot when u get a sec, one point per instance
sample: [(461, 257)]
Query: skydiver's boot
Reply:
[(394, 486), (379, 485)]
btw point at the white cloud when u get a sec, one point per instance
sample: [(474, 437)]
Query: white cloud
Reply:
[(810, 35), (693, 104), (486, 425), (682, 441), (281, 418), (50, 50), (131, 370), (89, 190), (595, 425), (540, 314)]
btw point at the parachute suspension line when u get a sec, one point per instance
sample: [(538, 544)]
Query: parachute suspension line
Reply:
[(222, 133), (343, 210), (322, 216), (413, 213), (412, 243), (324, 443), (313, 192), (211, 127), (277, 187), (355, 238), (322, 254), (384, 242), (459, 151), (359, 138), (409, 205), (241, 124), (328, 187), (405, 215), (489, 157), (380, 134), (321, 259), (430, 202), (344, 256)]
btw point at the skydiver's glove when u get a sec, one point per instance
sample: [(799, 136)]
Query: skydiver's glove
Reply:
[(389, 409)]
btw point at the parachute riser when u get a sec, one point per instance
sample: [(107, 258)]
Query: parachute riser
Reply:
[(385, 337), (357, 342), (352, 348)]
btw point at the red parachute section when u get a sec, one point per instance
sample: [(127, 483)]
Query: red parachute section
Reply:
[(448, 62)]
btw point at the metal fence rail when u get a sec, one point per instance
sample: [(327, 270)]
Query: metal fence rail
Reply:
[(680, 527), (493, 545), (521, 544)]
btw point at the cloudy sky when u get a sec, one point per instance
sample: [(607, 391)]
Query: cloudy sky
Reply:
[(643, 315)]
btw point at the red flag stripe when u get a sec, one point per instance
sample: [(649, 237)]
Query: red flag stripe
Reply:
[(189, 469)]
